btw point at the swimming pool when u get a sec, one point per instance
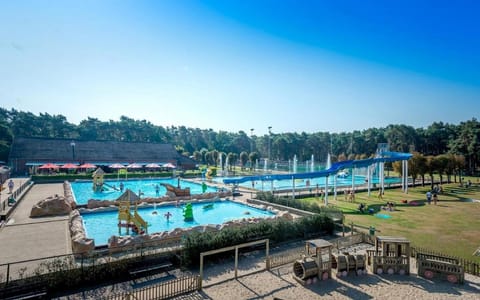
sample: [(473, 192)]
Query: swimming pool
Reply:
[(83, 191), (100, 226), (312, 183)]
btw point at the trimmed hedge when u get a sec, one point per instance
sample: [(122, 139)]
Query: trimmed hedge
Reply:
[(303, 205)]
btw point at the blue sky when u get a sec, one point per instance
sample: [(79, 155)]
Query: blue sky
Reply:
[(234, 65)]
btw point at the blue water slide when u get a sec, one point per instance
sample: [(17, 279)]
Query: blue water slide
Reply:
[(334, 169)]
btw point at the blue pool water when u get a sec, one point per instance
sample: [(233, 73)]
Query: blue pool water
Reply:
[(100, 226), (83, 191), (312, 183)]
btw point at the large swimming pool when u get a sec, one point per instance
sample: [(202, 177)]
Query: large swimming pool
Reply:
[(100, 226), (83, 190)]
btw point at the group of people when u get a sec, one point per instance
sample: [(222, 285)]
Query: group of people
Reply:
[(390, 206), (349, 195), (363, 209), (433, 194)]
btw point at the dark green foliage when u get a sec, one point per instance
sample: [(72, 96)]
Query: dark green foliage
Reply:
[(277, 231), (295, 203)]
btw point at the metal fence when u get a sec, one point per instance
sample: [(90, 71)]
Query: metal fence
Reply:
[(164, 290), (5, 208), (79, 269)]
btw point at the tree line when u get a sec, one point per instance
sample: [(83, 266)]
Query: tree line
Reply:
[(206, 145)]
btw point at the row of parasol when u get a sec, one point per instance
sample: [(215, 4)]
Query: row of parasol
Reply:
[(70, 166)]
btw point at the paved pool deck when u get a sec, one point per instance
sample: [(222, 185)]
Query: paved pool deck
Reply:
[(25, 238)]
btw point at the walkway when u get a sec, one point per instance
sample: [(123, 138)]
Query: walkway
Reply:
[(24, 238)]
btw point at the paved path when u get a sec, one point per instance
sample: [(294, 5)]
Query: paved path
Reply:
[(24, 238)]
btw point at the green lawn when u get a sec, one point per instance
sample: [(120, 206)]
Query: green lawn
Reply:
[(450, 227)]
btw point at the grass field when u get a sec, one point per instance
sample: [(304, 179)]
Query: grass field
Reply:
[(451, 227)]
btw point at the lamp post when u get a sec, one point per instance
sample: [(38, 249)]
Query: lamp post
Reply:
[(269, 141), (251, 139), (251, 147), (72, 144)]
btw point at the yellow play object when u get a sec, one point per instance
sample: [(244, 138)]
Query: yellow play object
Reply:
[(127, 220), (98, 180)]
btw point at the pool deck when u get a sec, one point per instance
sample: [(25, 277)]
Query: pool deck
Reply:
[(25, 238)]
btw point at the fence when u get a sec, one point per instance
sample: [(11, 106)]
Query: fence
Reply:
[(67, 270), (17, 194), (284, 258), (469, 267), (164, 290), (277, 260)]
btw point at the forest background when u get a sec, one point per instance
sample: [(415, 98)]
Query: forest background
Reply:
[(441, 144)]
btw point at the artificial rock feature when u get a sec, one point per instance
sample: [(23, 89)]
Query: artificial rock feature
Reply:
[(51, 206)]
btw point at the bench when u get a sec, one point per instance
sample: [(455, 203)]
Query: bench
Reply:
[(148, 269)]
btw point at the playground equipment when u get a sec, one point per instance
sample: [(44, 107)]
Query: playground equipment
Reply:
[(435, 266), (188, 212), (317, 262), (210, 173), (176, 190), (135, 221), (98, 180), (391, 255), (345, 263)]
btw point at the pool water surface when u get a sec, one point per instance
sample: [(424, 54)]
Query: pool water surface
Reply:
[(100, 226), (83, 190)]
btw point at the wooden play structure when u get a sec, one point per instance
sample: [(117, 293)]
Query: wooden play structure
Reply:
[(317, 262), (98, 180), (346, 263), (391, 255), (176, 190), (435, 266), (125, 217)]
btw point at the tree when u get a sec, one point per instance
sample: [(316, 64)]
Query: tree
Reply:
[(467, 143), (441, 164), (232, 159), (415, 165), (431, 167), (253, 158), (243, 159)]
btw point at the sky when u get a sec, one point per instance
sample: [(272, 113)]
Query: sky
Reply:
[(294, 66)]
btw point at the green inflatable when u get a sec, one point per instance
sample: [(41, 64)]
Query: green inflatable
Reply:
[(188, 212)]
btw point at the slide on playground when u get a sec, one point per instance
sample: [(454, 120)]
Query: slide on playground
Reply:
[(124, 214), (111, 186), (139, 221), (209, 174)]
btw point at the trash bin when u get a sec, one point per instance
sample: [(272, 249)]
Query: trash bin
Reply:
[(372, 230)]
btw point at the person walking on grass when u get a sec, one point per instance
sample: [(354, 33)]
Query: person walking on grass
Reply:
[(429, 197), (380, 194)]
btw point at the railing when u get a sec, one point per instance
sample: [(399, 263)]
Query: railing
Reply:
[(164, 290), (277, 260), (15, 194), (58, 270)]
